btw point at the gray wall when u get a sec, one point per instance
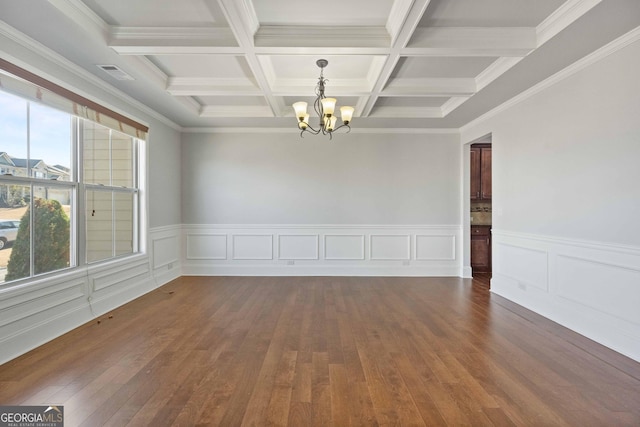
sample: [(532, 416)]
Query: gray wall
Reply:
[(356, 179), (164, 176), (565, 161)]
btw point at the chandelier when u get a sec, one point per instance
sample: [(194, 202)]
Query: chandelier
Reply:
[(324, 108)]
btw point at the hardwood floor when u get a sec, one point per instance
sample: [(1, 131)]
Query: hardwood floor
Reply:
[(325, 351)]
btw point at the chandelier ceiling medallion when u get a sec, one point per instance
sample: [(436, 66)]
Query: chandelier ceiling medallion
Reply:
[(324, 108)]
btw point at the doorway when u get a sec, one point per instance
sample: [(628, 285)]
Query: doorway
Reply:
[(480, 203)]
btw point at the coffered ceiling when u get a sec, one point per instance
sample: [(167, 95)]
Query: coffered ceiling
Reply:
[(406, 64)]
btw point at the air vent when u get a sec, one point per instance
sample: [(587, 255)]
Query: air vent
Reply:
[(115, 72)]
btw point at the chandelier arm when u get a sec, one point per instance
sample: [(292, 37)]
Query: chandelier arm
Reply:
[(312, 131), (343, 126)]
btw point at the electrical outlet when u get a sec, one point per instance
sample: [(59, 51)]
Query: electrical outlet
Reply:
[(405, 262), (291, 262), (170, 266), (522, 286)]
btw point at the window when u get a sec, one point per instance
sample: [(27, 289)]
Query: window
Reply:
[(66, 183), (111, 198)]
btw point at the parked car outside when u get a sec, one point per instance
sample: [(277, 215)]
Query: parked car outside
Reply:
[(8, 231)]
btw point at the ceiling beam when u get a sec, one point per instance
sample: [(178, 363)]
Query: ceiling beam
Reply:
[(397, 16), (401, 36), (243, 22), (290, 40), (172, 41), (319, 36)]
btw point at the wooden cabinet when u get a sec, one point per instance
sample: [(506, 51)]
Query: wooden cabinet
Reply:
[(480, 172), (481, 248)]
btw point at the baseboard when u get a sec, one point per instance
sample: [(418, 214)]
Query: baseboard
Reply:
[(467, 272), (164, 276), (319, 270)]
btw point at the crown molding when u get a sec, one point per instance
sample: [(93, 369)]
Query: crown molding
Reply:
[(216, 35), (495, 70), (190, 104), (321, 36), (56, 59), (172, 40), (453, 103), (597, 55), (562, 17), (149, 69)]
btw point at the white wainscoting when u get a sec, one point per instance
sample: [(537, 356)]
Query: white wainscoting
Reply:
[(34, 312), (344, 247), (37, 311), (592, 288), (166, 252), (326, 250)]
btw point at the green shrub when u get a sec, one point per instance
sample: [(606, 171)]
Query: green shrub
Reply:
[(51, 241)]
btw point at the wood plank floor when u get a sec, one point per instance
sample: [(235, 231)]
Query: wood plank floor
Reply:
[(326, 351)]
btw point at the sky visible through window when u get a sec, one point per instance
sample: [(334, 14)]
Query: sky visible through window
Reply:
[(50, 132)]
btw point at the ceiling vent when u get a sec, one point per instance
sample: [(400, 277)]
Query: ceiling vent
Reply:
[(115, 72)]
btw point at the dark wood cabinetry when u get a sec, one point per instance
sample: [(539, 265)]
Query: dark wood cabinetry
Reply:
[(480, 172), (481, 248)]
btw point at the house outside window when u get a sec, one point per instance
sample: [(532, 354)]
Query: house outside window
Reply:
[(66, 183)]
